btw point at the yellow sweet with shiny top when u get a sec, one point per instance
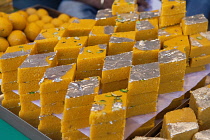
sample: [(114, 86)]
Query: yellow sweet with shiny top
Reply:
[(121, 42), (53, 32), (87, 73), (46, 45), (68, 48), (100, 35), (91, 58), (81, 27), (124, 6), (170, 32), (104, 109)]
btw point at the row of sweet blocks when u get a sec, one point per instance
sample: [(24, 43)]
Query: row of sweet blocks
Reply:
[(143, 81)]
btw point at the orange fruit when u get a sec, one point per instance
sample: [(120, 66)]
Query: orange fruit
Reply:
[(48, 26), (32, 31), (23, 13), (4, 15), (64, 17), (31, 11), (18, 21), (57, 22), (5, 27), (40, 23), (33, 18), (4, 44), (17, 37), (42, 12), (47, 19)]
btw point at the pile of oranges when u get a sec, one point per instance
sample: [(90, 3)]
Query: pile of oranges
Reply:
[(23, 26)]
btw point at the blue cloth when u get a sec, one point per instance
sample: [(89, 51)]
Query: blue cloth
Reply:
[(198, 7), (78, 9), (22, 4)]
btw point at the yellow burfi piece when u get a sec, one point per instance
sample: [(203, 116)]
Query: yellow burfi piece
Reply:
[(10, 76), (168, 20), (100, 35), (14, 57), (74, 134), (199, 102), (108, 107), (141, 109), (171, 86), (200, 44), (113, 86), (121, 42), (52, 32), (26, 102), (180, 42), (46, 45), (91, 58), (167, 33), (57, 78), (9, 86), (10, 95), (10, 103), (145, 52), (49, 124), (149, 15), (34, 66), (181, 130), (52, 97), (124, 6), (72, 125), (15, 110), (194, 24), (69, 47), (146, 30), (205, 134), (104, 129), (144, 78), (29, 115), (199, 61), (194, 69), (81, 93), (116, 67), (67, 61), (56, 108), (89, 73), (175, 76), (173, 7), (28, 87), (104, 17), (171, 61), (81, 27), (126, 22), (140, 99), (70, 114)]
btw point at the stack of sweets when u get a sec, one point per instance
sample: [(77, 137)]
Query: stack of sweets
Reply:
[(179, 124), (30, 73), (116, 71), (100, 35), (124, 6), (53, 88), (90, 61), (104, 17), (108, 115), (202, 135), (199, 102), (78, 102), (143, 89), (68, 49), (9, 63), (146, 51), (172, 12), (172, 70), (121, 42), (196, 27)]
